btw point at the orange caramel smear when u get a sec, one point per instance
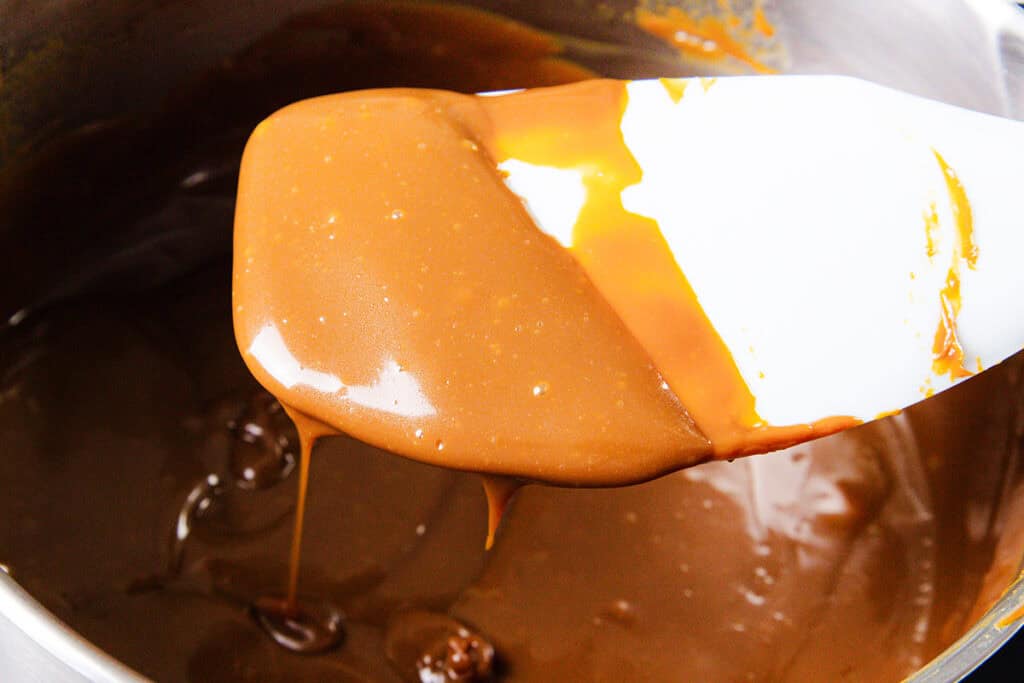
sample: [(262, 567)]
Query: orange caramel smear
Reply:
[(947, 352), (713, 37), (629, 262), (1012, 617)]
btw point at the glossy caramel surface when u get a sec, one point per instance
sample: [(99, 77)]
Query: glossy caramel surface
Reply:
[(388, 284)]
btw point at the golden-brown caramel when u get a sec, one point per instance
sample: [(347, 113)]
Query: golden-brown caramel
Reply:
[(710, 38), (388, 284)]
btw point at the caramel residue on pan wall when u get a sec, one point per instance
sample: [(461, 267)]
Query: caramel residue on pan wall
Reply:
[(947, 352), (468, 355), (761, 23), (309, 431), (1017, 613), (480, 51), (627, 258), (499, 491), (718, 38)]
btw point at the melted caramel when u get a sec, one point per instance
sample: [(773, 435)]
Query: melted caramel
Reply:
[(947, 352), (761, 23), (624, 254), (709, 37), (309, 431), (389, 285), (675, 87), (628, 260)]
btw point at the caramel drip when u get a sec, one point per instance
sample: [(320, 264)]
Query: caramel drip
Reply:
[(947, 352), (675, 87), (295, 554), (615, 583), (705, 38), (499, 491), (309, 432), (967, 247)]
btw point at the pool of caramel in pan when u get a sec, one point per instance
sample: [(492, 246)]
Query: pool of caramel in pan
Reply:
[(151, 483)]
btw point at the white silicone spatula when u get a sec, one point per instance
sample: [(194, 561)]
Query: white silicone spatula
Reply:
[(818, 222)]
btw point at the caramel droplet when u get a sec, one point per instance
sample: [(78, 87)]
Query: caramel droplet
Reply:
[(499, 491)]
